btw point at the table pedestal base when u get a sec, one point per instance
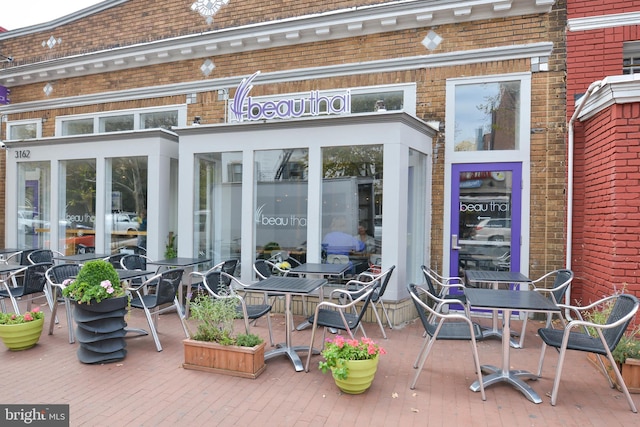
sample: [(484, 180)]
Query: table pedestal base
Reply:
[(291, 353), (496, 333), (513, 377)]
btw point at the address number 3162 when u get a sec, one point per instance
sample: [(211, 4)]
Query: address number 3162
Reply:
[(23, 154)]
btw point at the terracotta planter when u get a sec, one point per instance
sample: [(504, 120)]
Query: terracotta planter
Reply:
[(21, 336), (630, 371), (360, 377), (246, 362)]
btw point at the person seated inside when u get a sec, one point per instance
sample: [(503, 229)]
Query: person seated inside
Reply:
[(368, 241), (339, 242)]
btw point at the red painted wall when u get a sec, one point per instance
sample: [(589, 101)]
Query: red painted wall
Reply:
[(606, 216)]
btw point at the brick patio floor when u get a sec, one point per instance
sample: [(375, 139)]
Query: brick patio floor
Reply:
[(150, 388)]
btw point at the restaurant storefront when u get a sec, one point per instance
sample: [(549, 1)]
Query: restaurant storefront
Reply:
[(363, 119), (95, 189), (259, 186)]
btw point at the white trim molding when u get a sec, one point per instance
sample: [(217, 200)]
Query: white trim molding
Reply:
[(613, 90), (504, 53), (603, 21), (333, 25)]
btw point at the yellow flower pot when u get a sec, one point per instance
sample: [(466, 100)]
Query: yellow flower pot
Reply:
[(360, 377), (21, 336)]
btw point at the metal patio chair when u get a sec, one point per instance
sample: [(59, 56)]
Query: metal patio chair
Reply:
[(623, 309), (441, 326)]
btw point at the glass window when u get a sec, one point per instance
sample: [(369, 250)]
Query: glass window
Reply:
[(217, 221), (281, 190), (487, 116), (159, 119), (77, 127), (380, 101), (416, 214), (116, 123), (125, 220), (77, 206), (20, 131), (352, 205), (34, 204)]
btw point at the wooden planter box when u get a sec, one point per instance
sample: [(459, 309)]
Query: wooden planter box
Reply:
[(630, 371), (246, 362)]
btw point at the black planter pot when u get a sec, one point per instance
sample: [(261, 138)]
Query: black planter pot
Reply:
[(101, 330)]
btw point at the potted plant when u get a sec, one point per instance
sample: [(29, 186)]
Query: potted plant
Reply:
[(21, 331), (215, 347), (100, 304), (626, 353), (353, 362)]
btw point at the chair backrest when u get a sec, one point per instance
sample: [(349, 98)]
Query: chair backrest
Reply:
[(375, 289), (35, 278), (216, 283), (421, 306), (430, 309), (384, 281), (40, 255), (624, 304), (24, 256), (168, 286), (563, 277), (229, 266), (133, 262), (115, 260), (429, 279), (263, 268), (132, 249), (61, 272)]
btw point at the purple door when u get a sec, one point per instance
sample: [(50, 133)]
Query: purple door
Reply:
[(485, 217)]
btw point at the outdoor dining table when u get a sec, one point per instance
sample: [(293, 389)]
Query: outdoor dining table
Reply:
[(287, 286), (496, 278), (125, 275), (80, 258), (507, 301)]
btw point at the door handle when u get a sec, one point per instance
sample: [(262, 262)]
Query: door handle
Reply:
[(454, 242)]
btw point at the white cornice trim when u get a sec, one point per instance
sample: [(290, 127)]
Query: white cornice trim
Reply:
[(387, 17), (614, 90), (603, 21), (504, 53)]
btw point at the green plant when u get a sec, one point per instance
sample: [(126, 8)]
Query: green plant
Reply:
[(339, 349), (15, 319), (97, 280), (170, 250), (217, 316), (628, 347)]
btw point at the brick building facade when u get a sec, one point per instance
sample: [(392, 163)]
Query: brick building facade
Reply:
[(127, 55), (601, 39)]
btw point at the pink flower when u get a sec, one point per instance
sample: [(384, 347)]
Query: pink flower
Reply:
[(109, 290), (105, 284), (27, 317), (36, 309)]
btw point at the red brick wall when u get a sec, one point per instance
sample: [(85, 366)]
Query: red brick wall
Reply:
[(606, 209), (606, 250)]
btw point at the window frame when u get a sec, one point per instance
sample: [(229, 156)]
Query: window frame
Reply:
[(137, 122)]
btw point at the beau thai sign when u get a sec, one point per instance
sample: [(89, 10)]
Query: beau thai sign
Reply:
[(247, 108)]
